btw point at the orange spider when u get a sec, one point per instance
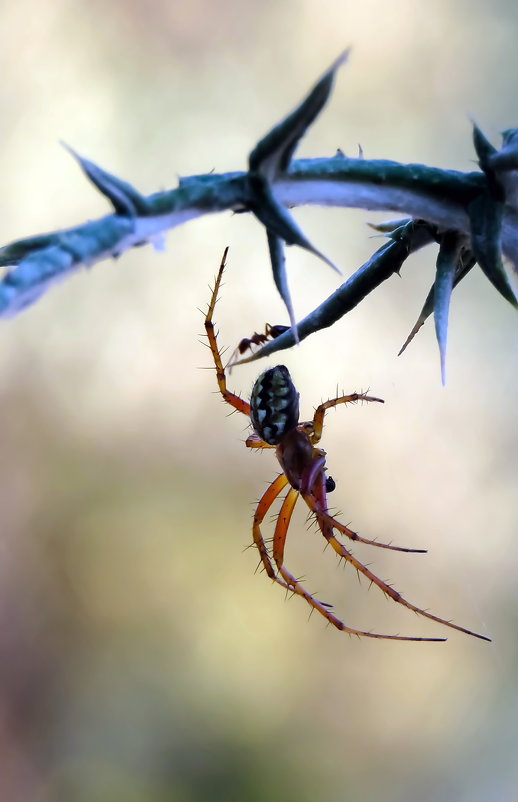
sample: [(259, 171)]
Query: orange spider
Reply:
[(274, 414)]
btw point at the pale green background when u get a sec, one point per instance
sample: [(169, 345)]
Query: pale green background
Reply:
[(140, 656)]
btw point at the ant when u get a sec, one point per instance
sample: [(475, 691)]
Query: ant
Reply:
[(257, 338)]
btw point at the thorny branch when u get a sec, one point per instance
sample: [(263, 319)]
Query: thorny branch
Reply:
[(473, 217)]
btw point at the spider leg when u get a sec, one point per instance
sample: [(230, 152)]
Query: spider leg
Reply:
[(327, 531), (319, 507), (254, 441), (281, 527), (279, 541), (264, 504), (320, 411), (232, 399)]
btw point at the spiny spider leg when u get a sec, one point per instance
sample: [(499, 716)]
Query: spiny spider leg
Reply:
[(323, 516), (314, 430), (279, 540), (318, 417), (234, 400), (264, 504), (254, 441), (282, 525), (340, 549)]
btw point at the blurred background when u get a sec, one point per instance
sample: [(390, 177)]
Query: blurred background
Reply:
[(141, 658)]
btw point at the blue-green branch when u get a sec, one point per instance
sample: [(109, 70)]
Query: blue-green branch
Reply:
[(479, 209)]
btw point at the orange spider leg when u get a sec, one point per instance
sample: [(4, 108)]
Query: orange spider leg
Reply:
[(279, 540), (323, 517), (313, 491), (234, 400), (318, 417), (327, 531), (281, 527), (265, 502), (254, 441), (314, 431)]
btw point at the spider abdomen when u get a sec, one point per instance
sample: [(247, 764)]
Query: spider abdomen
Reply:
[(274, 404)]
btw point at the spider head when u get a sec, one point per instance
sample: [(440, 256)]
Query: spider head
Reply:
[(274, 405)]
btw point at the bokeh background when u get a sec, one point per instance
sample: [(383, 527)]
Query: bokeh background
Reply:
[(140, 656)]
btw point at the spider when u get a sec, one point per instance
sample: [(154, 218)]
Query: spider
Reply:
[(274, 414)]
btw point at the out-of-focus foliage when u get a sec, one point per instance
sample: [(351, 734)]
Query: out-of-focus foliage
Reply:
[(140, 657)]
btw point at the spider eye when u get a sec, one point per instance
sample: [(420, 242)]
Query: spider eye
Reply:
[(274, 404)]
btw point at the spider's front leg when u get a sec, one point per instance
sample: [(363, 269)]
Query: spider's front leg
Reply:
[(317, 423), (231, 398)]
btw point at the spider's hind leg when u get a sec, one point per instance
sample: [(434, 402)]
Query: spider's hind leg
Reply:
[(264, 504), (317, 503), (293, 584), (388, 590)]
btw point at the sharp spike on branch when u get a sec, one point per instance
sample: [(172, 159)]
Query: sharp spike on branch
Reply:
[(447, 262), (126, 200)]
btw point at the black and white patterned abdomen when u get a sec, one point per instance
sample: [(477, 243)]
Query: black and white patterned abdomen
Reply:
[(274, 404)]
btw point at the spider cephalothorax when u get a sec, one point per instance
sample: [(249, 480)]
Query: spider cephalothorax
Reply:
[(274, 413)]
